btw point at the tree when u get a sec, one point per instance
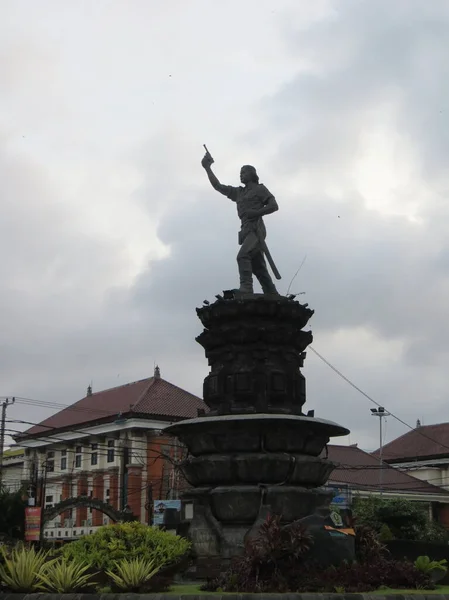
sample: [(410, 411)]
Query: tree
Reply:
[(12, 514), (406, 520)]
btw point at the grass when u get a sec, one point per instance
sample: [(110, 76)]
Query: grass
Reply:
[(194, 590), (191, 589), (440, 589)]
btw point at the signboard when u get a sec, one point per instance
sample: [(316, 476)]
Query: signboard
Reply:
[(160, 506), (32, 524), (342, 496)]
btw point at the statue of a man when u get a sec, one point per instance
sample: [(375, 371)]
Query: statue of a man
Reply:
[(253, 201)]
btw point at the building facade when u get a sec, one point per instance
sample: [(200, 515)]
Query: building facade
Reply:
[(12, 469), (360, 472), (108, 447), (423, 453)]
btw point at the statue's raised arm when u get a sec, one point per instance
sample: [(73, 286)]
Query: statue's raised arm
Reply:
[(207, 163), (253, 201)]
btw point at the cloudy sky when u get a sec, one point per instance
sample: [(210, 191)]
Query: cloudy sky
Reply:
[(110, 235)]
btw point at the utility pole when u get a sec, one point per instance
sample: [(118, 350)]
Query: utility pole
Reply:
[(5, 405), (382, 414)]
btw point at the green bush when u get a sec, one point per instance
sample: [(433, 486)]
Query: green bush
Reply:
[(132, 575), (12, 515), (385, 534), (65, 576), (20, 571), (425, 565), (405, 519), (112, 543)]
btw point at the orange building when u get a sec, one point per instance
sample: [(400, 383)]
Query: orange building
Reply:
[(108, 447)]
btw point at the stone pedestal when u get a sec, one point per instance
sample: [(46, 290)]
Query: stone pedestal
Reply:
[(255, 451)]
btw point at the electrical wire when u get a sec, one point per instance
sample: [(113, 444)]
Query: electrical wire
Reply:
[(356, 387)]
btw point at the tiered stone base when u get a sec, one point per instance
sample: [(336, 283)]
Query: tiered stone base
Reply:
[(255, 451), (242, 465)]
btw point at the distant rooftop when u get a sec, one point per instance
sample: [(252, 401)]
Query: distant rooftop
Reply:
[(12, 452), (361, 470), (425, 441), (151, 398)]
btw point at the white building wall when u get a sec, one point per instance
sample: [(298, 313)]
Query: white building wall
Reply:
[(435, 474), (12, 477)]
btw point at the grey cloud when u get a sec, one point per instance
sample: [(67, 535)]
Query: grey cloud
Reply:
[(364, 271)]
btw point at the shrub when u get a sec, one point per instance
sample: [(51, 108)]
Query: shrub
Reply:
[(12, 515), (406, 520), (425, 565), (368, 546), (20, 571), (435, 532), (132, 575), (276, 562), (268, 560), (361, 577), (385, 534), (113, 543), (65, 576)]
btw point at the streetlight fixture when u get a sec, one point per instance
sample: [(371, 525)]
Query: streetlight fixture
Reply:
[(382, 414)]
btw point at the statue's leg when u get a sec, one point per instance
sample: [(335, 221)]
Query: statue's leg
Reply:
[(259, 267), (244, 257)]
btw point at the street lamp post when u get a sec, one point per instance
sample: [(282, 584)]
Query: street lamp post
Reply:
[(382, 414)]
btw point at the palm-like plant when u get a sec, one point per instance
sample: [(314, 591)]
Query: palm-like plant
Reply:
[(63, 576), (20, 571), (131, 575)]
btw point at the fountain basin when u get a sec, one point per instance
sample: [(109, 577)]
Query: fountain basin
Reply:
[(254, 433)]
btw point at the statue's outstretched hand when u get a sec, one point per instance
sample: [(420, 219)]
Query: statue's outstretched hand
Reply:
[(207, 160)]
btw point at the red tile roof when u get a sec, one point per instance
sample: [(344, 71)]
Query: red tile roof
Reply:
[(428, 441), (361, 470), (152, 397)]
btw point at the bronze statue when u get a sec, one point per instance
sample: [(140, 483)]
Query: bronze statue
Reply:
[(253, 201)]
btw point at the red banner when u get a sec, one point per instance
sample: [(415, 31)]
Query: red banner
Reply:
[(32, 524)]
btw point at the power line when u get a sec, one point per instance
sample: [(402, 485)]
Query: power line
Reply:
[(158, 453), (73, 430), (356, 387)]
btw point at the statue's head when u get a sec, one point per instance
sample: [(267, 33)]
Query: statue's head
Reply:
[(248, 174)]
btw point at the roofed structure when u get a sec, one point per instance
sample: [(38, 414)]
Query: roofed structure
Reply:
[(152, 397), (426, 441), (360, 470)]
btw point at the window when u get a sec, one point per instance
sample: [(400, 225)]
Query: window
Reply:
[(111, 452), (48, 498), (78, 457), (63, 452), (94, 455), (50, 466), (50, 454), (63, 463)]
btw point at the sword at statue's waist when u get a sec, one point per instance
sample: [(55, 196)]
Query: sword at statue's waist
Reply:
[(270, 260)]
